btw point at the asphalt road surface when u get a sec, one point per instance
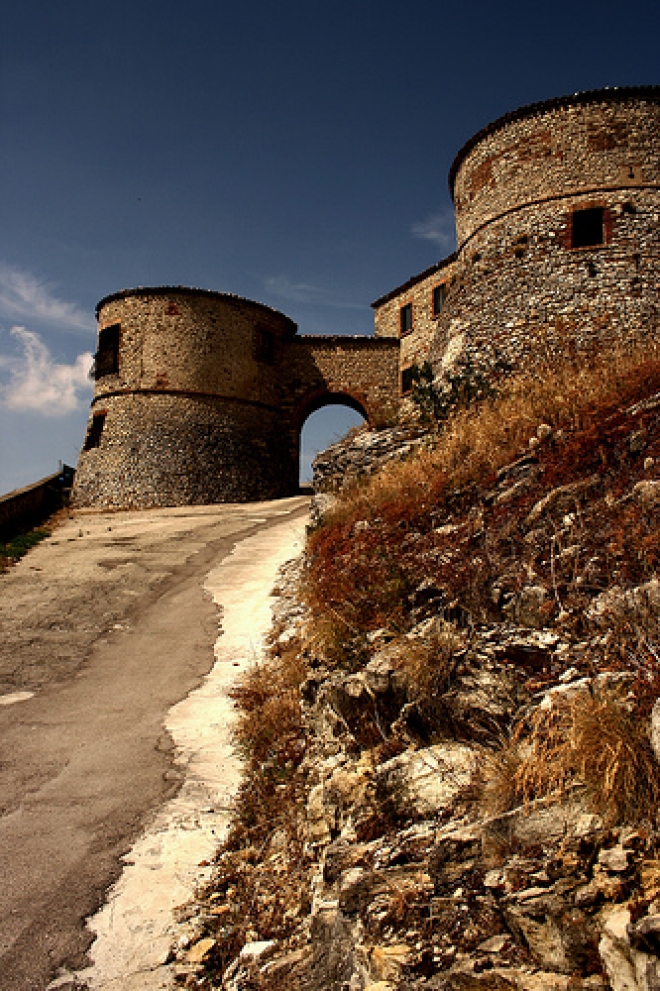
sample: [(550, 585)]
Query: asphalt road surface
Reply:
[(103, 627)]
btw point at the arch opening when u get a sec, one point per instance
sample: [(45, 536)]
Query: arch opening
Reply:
[(324, 423)]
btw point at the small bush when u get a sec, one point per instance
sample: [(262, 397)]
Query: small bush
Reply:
[(458, 388)]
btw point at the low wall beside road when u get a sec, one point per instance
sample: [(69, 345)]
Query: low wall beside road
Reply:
[(29, 506)]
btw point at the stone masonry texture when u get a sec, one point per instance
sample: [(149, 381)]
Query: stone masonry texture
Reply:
[(206, 394)]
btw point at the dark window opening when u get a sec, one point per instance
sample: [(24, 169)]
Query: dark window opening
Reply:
[(519, 245), (106, 359), (438, 299), (588, 227), (93, 438), (407, 380), (405, 319), (264, 346)]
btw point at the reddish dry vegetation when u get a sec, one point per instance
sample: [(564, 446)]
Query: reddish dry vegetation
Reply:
[(446, 519), (456, 531)]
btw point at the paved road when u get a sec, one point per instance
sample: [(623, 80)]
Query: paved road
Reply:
[(103, 628)]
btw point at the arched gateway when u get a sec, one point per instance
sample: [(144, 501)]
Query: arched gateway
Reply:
[(200, 397)]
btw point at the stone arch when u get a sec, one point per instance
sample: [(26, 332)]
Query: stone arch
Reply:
[(318, 399)]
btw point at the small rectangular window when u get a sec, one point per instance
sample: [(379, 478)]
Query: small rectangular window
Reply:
[(405, 319), (438, 299), (106, 359), (588, 228), (407, 380), (93, 438)]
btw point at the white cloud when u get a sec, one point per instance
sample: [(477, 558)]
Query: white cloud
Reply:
[(34, 381), (24, 296), (304, 292), (439, 227)]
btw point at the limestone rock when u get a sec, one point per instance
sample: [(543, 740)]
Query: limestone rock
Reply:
[(199, 952), (655, 729), (645, 934), (426, 781), (614, 950), (647, 493), (635, 605)]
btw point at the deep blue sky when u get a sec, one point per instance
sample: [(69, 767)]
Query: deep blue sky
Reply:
[(294, 153)]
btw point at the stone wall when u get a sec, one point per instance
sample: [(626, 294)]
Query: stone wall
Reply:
[(421, 293), (28, 506), (572, 145), (361, 372), (169, 450), (193, 341)]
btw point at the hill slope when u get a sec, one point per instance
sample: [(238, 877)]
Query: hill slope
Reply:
[(452, 778)]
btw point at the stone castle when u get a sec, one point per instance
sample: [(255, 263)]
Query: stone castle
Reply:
[(200, 396)]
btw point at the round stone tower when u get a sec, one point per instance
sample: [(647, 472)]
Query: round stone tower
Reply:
[(187, 402), (557, 209)]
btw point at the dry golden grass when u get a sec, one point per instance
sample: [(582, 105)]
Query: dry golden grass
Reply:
[(427, 665), (496, 779), (591, 742), (475, 442), (269, 737), (335, 641)]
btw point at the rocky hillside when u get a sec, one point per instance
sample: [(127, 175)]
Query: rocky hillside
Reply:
[(452, 754)]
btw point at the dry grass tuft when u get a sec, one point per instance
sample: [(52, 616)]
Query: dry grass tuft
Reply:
[(496, 780), (335, 642), (593, 742), (428, 664)]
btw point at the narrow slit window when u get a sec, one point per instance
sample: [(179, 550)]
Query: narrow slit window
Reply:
[(106, 359), (438, 299), (588, 227), (405, 318), (93, 438)]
